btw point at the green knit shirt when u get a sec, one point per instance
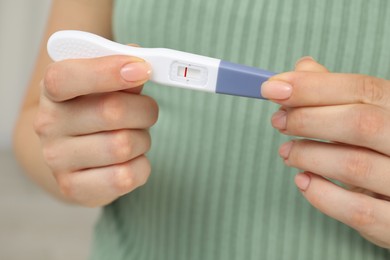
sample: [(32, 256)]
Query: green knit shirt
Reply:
[(218, 189)]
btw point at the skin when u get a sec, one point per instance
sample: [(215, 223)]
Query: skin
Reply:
[(352, 112), (82, 133)]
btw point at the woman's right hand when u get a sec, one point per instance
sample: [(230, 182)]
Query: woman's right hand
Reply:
[(93, 126)]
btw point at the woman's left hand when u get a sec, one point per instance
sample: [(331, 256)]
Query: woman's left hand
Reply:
[(352, 112)]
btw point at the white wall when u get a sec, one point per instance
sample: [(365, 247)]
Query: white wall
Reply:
[(21, 27)]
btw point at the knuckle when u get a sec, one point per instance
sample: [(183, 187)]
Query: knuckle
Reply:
[(147, 171), (154, 111), (367, 122), (124, 179), (50, 155), (358, 167), (128, 177), (42, 124), (148, 141), (65, 185), (121, 145), (51, 81), (362, 214), (370, 90), (111, 109)]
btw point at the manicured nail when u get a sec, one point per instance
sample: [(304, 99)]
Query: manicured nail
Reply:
[(279, 120), (284, 150), (302, 180), (305, 58), (135, 71), (276, 89)]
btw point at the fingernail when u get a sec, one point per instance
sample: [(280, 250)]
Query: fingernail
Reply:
[(135, 71), (279, 120), (305, 58), (284, 150), (302, 180), (276, 89)]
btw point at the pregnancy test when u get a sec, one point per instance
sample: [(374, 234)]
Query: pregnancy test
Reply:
[(169, 67)]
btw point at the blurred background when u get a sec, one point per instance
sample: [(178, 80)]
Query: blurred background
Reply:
[(32, 225)]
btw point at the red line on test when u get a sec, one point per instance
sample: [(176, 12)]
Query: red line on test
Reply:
[(185, 72)]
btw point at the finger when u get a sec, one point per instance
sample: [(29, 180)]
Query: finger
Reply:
[(307, 63), (98, 187), (283, 90), (68, 79), (97, 150), (361, 125), (105, 112), (349, 164), (295, 89), (368, 215), (135, 90)]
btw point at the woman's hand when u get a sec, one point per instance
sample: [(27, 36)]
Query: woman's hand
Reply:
[(352, 112), (93, 126)]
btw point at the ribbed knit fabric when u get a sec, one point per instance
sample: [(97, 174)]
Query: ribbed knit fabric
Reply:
[(218, 190)]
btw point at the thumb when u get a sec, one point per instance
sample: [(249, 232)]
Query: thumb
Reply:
[(308, 64), (136, 90)]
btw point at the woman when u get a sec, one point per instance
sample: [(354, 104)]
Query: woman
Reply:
[(217, 189)]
